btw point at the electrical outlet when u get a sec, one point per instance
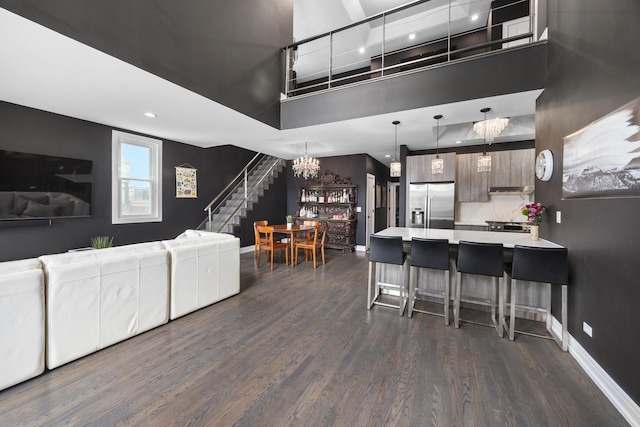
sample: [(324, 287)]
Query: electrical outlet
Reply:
[(358, 209), (558, 217), (587, 329)]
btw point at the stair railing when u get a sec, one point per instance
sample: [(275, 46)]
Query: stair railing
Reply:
[(247, 192), (244, 172)]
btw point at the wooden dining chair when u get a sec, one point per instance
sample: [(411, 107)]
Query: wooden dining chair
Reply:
[(312, 244), (258, 241), (269, 244)]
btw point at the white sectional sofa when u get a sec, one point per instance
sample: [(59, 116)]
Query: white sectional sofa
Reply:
[(22, 328), (204, 269), (98, 298)]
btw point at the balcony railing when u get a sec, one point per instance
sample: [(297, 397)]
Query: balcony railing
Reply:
[(421, 34)]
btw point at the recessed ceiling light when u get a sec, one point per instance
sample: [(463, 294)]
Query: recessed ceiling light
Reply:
[(474, 17), (150, 114), (412, 36), (362, 50), (387, 155), (458, 142)]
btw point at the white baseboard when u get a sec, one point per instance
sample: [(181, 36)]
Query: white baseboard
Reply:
[(360, 248), (247, 249), (621, 400)]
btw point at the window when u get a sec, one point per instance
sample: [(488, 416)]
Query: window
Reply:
[(136, 185)]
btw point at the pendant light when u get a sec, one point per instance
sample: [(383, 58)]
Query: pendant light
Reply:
[(484, 161), (306, 166), (437, 164), (395, 167), (489, 129)]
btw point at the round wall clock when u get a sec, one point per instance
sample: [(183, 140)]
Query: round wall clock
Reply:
[(544, 165)]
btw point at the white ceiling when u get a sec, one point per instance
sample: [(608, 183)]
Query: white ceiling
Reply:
[(42, 69)]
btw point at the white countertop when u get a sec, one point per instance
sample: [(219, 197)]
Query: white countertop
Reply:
[(508, 240)]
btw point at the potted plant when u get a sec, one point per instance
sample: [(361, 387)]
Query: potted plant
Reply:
[(101, 242), (289, 221), (533, 212)]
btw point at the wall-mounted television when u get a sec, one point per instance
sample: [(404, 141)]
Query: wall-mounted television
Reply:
[(41, 186)]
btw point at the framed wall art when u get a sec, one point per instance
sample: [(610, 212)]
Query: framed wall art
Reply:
[(603, 158), (186, 182)]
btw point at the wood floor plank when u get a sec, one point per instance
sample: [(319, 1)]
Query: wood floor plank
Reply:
[(298, 348)]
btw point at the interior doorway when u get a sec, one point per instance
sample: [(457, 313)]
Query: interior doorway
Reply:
[(370, 208)]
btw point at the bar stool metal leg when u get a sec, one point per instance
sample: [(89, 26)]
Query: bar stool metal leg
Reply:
[(371, 284), (447, 296), (431, 255), (374, 288), (562, 341), (456, 301), (497, 301)]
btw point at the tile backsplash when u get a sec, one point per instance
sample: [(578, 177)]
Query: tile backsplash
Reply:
[(498, 208)]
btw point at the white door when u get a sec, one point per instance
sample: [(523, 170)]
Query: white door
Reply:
[(370, 209), (515, 28)]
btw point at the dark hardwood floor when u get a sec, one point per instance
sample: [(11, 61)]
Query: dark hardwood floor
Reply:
[(298, 347)]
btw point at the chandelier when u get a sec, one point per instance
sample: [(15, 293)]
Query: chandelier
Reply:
[(306, 166), (489, 129), (437, 164), (484, 161), (395, 168)]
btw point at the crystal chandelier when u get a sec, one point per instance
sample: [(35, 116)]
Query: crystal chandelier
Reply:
[(489, 129), (437, 164), (306, 166), (484, 161), (395, 168)]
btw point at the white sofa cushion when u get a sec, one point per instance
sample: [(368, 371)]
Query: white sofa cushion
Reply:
[(198, 234), (21, 321), (20, 265), (204, 270), (98, 300), (102, 254)]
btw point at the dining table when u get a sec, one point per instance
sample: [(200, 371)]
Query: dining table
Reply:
[(289, 230)]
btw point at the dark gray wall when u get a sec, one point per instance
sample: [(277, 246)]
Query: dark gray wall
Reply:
[(497, 74), (355, 167), (381, 172), (594, 68), (28, 130), (227, 51)]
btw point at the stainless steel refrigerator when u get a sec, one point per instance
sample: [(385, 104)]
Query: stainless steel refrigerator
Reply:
[(431, 205)]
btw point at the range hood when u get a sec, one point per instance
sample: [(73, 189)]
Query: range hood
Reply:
[(511, 190)]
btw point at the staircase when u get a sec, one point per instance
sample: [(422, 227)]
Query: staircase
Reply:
[(232, 204)]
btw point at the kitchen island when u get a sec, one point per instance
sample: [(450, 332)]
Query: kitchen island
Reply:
[(478, 288), (508, 240)]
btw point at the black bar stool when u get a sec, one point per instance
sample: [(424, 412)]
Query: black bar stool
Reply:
[(432, 254), (545, 266), (485, 259), (386, 250)]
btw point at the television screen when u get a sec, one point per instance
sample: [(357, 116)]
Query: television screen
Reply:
[(39, 186)]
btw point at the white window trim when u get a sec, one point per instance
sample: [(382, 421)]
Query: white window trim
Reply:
[(155, 145)]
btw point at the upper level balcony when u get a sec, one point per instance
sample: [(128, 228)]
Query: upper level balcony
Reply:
[(411, 52), (421, 34)]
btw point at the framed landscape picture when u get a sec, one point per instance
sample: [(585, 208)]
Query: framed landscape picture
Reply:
[(603, 158)]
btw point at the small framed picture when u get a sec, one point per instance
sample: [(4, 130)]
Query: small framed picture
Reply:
[(186, 183)]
